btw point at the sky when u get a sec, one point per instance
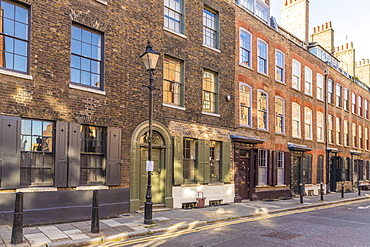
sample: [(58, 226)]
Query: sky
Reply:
[(350, 21)]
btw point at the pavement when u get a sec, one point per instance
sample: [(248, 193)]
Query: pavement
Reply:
[(132, 224)]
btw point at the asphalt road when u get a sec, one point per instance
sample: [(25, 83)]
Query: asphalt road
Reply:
[(345, 224)]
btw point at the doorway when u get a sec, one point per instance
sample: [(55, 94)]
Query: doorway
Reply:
[(157, 180), (244, 174)]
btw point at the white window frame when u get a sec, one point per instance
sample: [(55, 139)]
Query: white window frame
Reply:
[(171, 13), (296, 75), (366, 109), (308, 81), (296, 120), (360, 138), (320, 126), (359, 106), (338, 95), (249, 64), (260, 57), (354, 136), (320, 86), (346, 141), (346, 99), (262, 111), (279, 66), (254, 6), (262, 167), (338, 127), (250, 104), (215, 40), (280, 115), (308, 123), (330, 91), (280, 168), (331, 129), (354, 100)]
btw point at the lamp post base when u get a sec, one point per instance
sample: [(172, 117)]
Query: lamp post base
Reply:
[(148, 213)]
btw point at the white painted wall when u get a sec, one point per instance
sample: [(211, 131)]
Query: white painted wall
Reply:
[(186, 194)]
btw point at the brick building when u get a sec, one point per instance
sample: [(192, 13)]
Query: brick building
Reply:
[(245, 108)]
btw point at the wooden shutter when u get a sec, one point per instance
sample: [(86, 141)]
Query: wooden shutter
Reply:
[(10, 132), (61, 154), (274, 167), (225, 159), (309, 169), (74, 155), (178, 160), (287, 167), (203, 161), (113, 169), (270, 166)]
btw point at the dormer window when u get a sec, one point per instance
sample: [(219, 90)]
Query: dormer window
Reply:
[(258, 7)]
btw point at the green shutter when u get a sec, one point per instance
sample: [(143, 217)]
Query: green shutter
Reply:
[(61, 155), (74, 155), (113, 169), (10, 133), (178, 162), (203, 161), (225, 158)]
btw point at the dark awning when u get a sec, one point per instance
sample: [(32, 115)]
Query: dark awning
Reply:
[(354, 152), (333, 150), (298, 147), (245, 139)]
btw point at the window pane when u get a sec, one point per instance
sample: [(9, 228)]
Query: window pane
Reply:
[(20, 63)]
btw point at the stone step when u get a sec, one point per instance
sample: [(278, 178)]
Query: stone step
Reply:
[(155, 208)]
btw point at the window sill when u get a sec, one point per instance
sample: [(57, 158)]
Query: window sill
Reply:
[(190, 185), (246, 66), (308, 95), (101, 187), (245, 126), (15, 74), (174, 106), (175, 33), (212, 48), (39, 189), (262, 186), (263, 74), (280, 134), (87, 89), (297, 138), (297, 90), (281, 186), (263, 130), (211, 114), (102, 2), (280, 82)]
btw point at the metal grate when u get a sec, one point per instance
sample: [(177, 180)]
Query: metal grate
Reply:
[(281, 235), (188, 205), (215, 202)]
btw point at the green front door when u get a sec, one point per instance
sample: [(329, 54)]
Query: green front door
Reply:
[(157, 179)]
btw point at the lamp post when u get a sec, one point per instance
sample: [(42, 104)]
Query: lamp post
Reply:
[(150, 59)]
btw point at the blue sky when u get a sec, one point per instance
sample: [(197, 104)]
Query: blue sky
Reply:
[(350, 21)]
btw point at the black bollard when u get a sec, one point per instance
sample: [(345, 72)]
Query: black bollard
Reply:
[(321, 192), (342, 190), (359, 188), (17, 231), (301, 192), (95, 213)]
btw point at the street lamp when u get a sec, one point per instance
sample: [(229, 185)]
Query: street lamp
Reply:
[(150, 59)]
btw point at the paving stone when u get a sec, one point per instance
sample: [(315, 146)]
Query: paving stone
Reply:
[(65, 227), (37, 238), (76, 234), (52, 232), (112, 223)]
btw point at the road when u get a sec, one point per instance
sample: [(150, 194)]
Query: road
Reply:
[(344, 224)]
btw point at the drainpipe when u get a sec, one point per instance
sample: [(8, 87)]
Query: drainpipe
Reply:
[(325, 130)]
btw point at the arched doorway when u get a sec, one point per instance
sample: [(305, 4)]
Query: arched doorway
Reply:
[(162, 173)]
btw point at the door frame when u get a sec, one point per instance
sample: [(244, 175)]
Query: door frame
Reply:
[(135, 153)]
